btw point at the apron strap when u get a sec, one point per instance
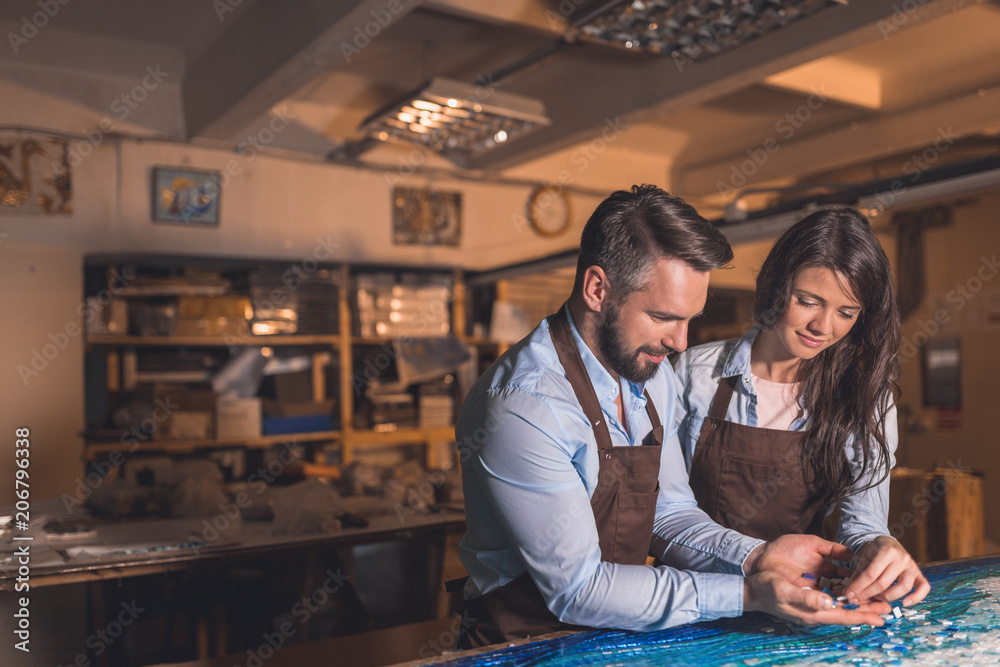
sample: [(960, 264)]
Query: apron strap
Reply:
[(654, 417), (720, 404), (572, 363)]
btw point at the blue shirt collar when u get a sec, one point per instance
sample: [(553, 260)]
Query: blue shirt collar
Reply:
[(738, 361)]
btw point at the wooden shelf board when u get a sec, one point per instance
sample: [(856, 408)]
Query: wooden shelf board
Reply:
[(473, 340), (215, 443), (213, 341), (402, 436), (372, 340)]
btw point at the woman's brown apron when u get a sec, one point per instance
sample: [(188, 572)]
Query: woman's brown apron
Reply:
[(751, 479), (624, 506)]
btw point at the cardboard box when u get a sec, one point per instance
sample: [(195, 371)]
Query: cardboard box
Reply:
[(187, 411), (213, 315), (238, 418), (216, 326), (189, 425), (937, 514), (293, 387), (212, 307)]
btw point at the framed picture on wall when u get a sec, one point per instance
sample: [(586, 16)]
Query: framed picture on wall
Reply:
[(185, 196), (421, 216)]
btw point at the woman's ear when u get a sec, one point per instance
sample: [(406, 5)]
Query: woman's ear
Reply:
[(596, 290)]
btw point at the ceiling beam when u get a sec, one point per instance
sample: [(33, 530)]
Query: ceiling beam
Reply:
[(933, 125), (839, 79), (271, 51)]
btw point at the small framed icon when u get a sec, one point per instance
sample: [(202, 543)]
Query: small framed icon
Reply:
[(186, 197)]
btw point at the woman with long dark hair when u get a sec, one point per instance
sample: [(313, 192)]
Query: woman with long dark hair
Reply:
[(798, 416)]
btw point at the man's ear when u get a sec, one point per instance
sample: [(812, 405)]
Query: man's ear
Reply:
[(596, 290)]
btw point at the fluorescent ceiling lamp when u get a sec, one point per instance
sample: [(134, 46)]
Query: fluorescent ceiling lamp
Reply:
[(764, 229), (919, 194), (770, 227), (690, 29), (457, 119)]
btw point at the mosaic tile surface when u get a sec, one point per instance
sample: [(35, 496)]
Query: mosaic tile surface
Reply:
[(957, 624)]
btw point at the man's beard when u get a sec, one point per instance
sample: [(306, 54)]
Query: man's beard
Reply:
[(614, 348)]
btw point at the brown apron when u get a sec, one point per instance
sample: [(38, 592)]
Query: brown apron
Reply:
[(624, 506), (751, 479)]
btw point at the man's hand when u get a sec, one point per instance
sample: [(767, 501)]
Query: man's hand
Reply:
[(884, 570), (791, 556), (770, 592)]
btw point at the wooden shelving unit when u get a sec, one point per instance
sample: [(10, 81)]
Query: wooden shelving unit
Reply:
[(121, 351)]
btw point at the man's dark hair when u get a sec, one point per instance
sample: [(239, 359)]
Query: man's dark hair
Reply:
[(629, 230)]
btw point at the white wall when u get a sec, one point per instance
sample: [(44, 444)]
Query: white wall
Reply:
[(41, 364)]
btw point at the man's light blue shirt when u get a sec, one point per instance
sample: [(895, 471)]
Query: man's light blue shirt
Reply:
[(529, 468), (699, 369)]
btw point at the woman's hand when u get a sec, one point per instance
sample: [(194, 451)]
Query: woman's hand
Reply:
[(883, 570)]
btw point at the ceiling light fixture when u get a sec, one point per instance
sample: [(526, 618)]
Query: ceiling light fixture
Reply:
[(456, 119), (689, 29)]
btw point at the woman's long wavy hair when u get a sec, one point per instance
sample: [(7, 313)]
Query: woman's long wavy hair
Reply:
[(849, 387)]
